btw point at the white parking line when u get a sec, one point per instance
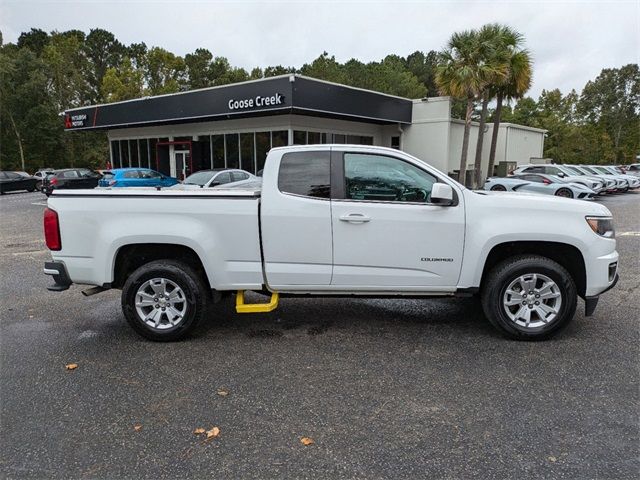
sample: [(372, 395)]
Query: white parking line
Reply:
[(628, 234), (39, 203)]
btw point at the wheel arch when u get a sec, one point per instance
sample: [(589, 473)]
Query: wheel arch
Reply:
[(133, 255), (565, 254)]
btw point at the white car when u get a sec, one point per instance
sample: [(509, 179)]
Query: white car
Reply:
[(598, 185), (213, 178), (333, 220)]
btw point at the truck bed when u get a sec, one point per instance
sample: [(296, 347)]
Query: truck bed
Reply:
[(220, 225)]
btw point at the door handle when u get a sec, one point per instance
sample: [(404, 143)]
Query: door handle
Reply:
[(355, 218)]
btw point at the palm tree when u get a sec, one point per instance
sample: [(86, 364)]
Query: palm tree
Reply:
[(493, 39), (463, 73), (513, 86)]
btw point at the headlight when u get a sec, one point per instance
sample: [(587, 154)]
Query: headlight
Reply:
[(603, 226)]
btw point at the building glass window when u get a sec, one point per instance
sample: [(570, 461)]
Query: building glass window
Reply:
[(279, 138), (299, 137), (313, 138), (217, 145), (247, 162), (337, 138), (263, 145), (305, 173), (133, 149), (143, 148), (395, 142), (124, 154), (382, 178), (233, 152), (115, 154)]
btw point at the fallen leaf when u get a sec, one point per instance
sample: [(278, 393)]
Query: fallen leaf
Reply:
[(198, 431), (71, 366), (307, 441), (553, 459), (222, 392), (214, 432), (137, 427)]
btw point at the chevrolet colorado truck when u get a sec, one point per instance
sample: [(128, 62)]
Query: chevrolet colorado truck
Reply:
[(333, 220)]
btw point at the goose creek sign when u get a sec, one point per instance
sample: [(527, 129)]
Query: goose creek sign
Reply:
[(257, 101)]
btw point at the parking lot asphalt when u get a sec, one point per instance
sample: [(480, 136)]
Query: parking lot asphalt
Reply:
[(385, 388)]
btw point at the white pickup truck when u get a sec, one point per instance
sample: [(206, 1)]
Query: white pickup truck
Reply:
[(337, 220)]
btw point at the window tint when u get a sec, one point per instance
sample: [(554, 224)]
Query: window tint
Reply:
[(3, 175), (69, 174), (224, 177), (13, 175), (378, 177), (305, 173), (535, 170), (148, 174), (533, 178), (237, 176), (131, 174)]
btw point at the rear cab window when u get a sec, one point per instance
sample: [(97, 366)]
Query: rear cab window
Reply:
[(306, 174)]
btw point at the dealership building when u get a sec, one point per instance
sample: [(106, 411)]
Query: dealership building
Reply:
[(234, 126)]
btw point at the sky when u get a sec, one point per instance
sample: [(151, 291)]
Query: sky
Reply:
[(570, 41)]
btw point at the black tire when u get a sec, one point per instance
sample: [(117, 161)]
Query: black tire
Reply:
[(196, 295), (31, 190), (564, 192), (498, 188), (503, 274)]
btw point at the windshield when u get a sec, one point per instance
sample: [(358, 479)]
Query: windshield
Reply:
[(602, 170), (571, 170), (199, 178), (589, 170)]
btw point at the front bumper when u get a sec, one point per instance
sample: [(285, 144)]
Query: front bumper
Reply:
[(590, 303), (60, 276)]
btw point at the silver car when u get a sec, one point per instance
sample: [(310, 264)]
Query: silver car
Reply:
[(634, 182), (622, 184), (213, 178), (540, 183), (598, 185)]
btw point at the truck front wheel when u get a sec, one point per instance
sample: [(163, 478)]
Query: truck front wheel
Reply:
[(529, 297), (164, 300)]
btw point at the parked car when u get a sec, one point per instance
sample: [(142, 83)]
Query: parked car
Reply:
[(633, 169), (598, 185), (633, 181), (214, 178), (540, 183), (70, 178), (15, 181), (318, 227), (614, 184), (41, 175), (135, 177)]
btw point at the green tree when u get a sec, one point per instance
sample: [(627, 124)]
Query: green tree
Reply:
[(513, 85), (165, 72), (103, 52), (199, 72), (612, 102), (122, 83), (35, 40), (462, 73)]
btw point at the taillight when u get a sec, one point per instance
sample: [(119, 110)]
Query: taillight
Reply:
[(52, 230), (546, 181), (53, 181)]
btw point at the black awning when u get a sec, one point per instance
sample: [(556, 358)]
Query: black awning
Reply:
[(272, 96)]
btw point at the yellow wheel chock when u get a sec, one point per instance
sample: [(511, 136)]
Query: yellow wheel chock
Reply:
[(242, 307)]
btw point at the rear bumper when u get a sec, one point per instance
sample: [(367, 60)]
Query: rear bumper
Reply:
[(60, 276)]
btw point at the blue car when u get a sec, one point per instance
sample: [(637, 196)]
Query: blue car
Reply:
[(135, 177)]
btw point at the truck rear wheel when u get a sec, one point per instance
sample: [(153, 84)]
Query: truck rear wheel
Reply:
[(529, 297), (164, 300)]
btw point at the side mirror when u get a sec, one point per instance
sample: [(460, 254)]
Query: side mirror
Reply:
[(442, 194), (562, 174)]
